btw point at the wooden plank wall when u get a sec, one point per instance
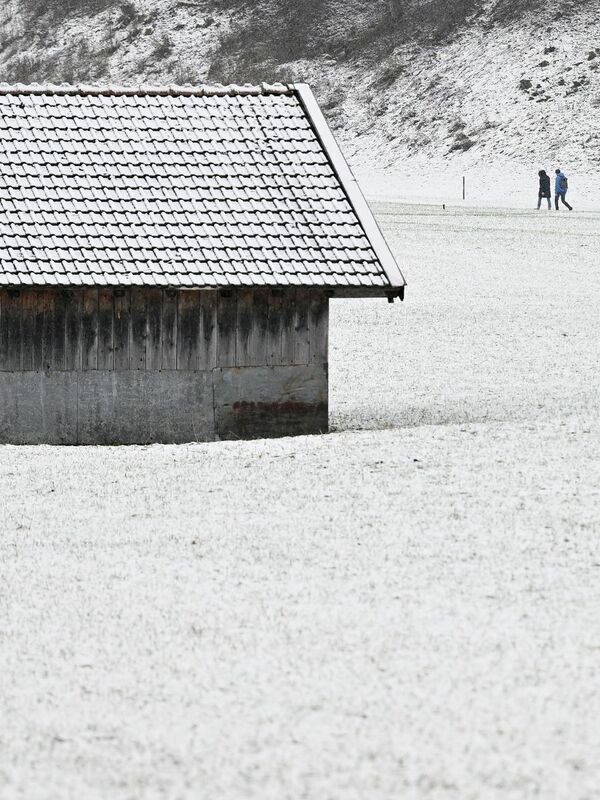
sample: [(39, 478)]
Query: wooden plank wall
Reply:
[(160, 329)]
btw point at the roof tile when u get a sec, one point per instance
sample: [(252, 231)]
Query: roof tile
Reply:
[(195, 186)]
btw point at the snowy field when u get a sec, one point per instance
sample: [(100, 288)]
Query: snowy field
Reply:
[(405, 608)]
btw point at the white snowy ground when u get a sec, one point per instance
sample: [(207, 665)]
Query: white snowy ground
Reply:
[(405, 608)]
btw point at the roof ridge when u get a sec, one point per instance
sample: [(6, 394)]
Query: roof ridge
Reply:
[(201, 90)]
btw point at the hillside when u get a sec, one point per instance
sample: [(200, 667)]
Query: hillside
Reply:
[(473, 81)]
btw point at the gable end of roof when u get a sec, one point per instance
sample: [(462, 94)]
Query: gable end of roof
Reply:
[(350, 186)]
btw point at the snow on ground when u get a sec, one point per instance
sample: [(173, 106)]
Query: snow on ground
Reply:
[(405, 608)]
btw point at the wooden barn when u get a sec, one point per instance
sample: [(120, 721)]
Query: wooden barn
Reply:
[(167, 257)]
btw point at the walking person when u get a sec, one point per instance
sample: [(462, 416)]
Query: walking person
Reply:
[(561, 184), (544, 191)]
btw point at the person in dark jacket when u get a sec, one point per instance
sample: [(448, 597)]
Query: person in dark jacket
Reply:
[(544, 189), (560, 189)]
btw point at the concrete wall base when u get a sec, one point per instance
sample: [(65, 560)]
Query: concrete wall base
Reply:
[(168, 406)]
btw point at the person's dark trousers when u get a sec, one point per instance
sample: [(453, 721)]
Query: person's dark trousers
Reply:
[(562, 196), (546, 197)]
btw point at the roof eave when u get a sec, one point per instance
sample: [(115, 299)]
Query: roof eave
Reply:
[(389, 292)]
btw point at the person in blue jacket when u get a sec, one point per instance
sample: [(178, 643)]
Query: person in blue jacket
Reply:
[(560, 189)]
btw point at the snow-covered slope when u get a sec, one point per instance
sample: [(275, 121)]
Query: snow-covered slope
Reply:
[(525, 92), (473, 82)]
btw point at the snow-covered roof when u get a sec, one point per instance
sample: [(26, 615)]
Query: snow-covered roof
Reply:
[(211, 186)]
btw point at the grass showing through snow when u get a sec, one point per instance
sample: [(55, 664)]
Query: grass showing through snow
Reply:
[(405, 608)]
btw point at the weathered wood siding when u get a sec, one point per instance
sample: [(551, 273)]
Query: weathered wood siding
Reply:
[(110, 366), (160, 329)]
